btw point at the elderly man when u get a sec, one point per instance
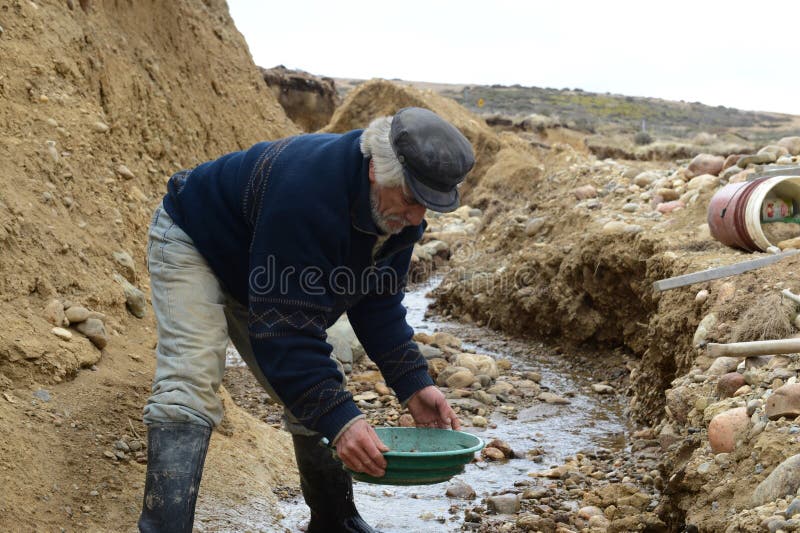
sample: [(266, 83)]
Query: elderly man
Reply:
[(268, 247)]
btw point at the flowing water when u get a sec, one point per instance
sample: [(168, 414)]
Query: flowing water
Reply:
[(589, 421)]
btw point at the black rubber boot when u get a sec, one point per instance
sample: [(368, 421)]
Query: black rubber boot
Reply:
[(175, 455), (327, 489)]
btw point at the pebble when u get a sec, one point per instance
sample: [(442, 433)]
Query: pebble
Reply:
[(125, 262), (729, 383), (134, 298), (54, 313), (62, 333), (502, 446), (630, 207), (42, 394), (406, 421), (76, 314), (701, 296), (459, 489), (95, 331), (585, 192), (503, 504), (601, 388), (125, 172), (100, 127), (479, 421), (493, 454), (52, 151)]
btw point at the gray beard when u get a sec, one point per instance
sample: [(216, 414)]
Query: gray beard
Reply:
[(380, 220)]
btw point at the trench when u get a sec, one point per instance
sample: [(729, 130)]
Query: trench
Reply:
[(589, 424)]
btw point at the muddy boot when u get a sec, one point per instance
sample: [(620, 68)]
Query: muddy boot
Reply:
[(327, 489), (175, 455)]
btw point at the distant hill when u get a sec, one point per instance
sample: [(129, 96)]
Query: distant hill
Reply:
[(607, 113)]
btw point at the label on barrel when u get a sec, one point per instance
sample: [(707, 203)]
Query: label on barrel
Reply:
[(775, 209)]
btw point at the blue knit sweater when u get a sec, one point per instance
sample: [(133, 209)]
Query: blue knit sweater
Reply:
[(286, 226)]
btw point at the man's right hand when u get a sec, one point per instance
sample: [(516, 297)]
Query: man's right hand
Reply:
[(360, 448)]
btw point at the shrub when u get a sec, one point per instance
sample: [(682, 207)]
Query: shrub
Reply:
[(642, 138)]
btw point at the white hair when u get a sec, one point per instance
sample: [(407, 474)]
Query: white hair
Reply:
[(375, 143)]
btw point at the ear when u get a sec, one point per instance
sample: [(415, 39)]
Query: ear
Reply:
[(371, 172)]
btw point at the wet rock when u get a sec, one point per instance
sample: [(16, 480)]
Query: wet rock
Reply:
[(503, 446), (585, 192), (126, 264), (724, 428), (534, 522), (785, 401), (503, 504), (781, 482), (706, 164), (479, 421), (501, 387), (478, 364), (549, 397), (54, 313), (459, 489), (134, 298), (492, 454), (729, 383), (95, 331), (602, 388), (483, 397), (76, 314), (722, 365), (61, 333)]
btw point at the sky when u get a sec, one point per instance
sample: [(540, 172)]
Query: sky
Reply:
[(741, 54)]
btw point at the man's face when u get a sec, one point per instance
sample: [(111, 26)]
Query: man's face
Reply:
[(394, 208)]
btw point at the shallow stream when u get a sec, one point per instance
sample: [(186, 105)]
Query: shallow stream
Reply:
[(589, 421)]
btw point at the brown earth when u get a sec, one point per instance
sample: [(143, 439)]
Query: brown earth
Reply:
[(103, 101), (172, 84)]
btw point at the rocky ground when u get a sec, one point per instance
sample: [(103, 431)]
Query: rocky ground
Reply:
[(103, 102)]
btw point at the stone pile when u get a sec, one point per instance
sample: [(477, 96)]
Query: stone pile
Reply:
[(66, 314)]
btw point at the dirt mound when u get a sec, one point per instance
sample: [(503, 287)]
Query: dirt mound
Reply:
[(308, 100), (377, 98), (101, 103)]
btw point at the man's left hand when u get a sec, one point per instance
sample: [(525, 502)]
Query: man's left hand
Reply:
[(430, 409)]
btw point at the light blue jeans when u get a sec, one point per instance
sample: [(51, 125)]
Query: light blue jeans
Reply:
[(195, 317)]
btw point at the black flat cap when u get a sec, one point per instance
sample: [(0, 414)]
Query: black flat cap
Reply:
[(435, 156)]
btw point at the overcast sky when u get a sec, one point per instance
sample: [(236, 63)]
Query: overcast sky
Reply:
[(735, 53)]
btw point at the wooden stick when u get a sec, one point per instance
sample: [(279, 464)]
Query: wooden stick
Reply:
[(720, 272), (754, 348), (792, 296)]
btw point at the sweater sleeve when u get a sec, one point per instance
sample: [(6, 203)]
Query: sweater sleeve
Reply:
[(379, 321), (291, 256)]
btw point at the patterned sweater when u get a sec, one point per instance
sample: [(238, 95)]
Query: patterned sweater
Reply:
[(287, 228)]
